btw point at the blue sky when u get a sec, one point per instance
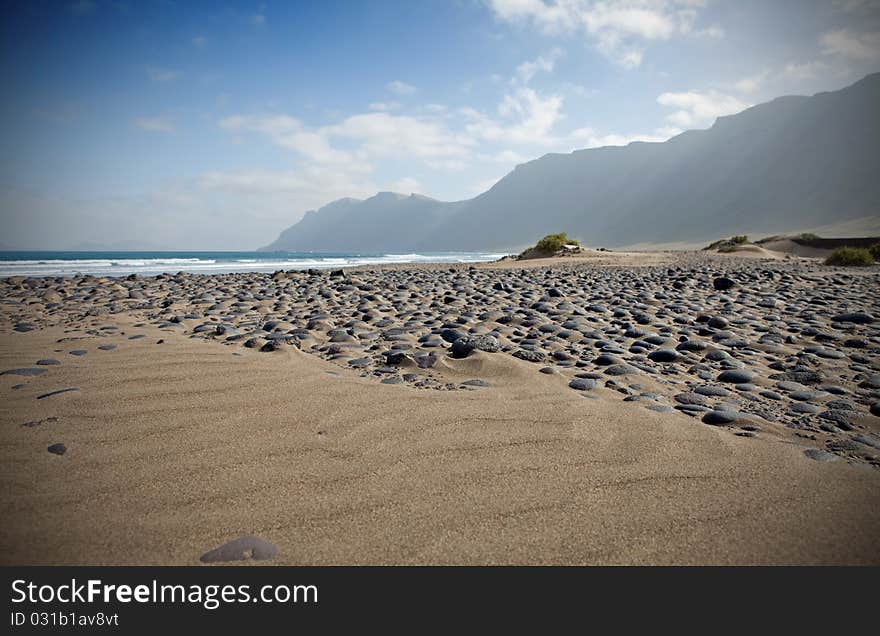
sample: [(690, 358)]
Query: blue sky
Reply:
[(212, 125)]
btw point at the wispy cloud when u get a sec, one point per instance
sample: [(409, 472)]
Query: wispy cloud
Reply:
[(155, 124), (384, 106), (618, 30), (849, 44), (528, 69), (699, 108), (806, 70), (400, 88), (589, 138), (751, 83)]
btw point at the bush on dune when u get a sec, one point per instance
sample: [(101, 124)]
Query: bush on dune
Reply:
[(549, 245), (554, 242), (875, 251), (850, 256), (728, 245)]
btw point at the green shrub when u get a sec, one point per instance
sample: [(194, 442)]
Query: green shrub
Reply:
[(875, 251), (727, 245), (554, 242), (548, 246), (808, 236), (855, 256)]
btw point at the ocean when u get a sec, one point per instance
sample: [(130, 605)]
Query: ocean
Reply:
[(21, 263)]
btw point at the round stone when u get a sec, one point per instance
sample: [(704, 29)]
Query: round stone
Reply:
[(720, 418), (663, 355), (736, 376)]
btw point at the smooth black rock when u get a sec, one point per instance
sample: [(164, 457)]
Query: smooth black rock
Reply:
[(873, 442), (858, 317), (247, 547), (451, 335), (722, 283), (736, 376), (30, 372), (820, 455), (663, 355), (690, 398), (396, 358), (462, 347), (720, 418), (713, 391), (48, 362), (621, 369), (583, 384), (57, 449), (477, 382)]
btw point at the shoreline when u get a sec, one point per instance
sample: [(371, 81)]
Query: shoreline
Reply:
[(589, 257)]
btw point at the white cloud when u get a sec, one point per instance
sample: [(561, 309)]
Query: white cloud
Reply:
[(384, 106), (713, 32), (162, 74), (383, 134), (589, 138), (527, 70), (289, 132), (154, 124), (751, 83), (507, 156), (447, 165), (400, 88), (699, 108), (525, 118), (618, 29), (805, 71), (352, 145), (407, 185), (850, 45)]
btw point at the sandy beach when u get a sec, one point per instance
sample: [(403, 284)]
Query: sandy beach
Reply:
[(665, 408)]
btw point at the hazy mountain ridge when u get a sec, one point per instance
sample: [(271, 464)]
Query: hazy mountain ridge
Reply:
[(788, 163)]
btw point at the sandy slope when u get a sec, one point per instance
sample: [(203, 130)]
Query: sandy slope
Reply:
[(178, 447)]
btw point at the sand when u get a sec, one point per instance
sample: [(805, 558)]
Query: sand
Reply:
[(176, 448)]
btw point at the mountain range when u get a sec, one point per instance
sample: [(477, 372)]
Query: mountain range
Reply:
[(794, 162)]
